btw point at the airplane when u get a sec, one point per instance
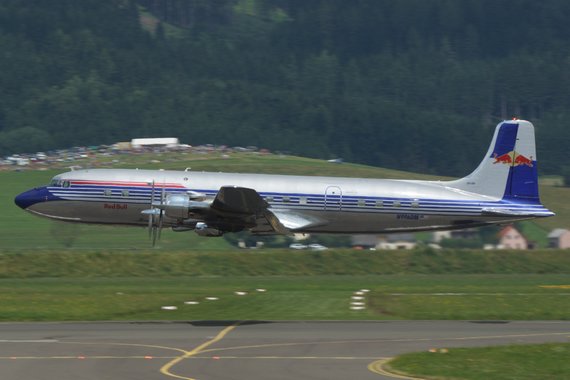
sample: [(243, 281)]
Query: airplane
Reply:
[(502, 189)]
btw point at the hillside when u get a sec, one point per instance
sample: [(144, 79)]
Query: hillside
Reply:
[(412, 85), (21, 230)]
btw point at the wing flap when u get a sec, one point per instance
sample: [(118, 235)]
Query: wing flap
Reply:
[(293, 220)]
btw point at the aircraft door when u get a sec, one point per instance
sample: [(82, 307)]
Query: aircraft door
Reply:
[(333, 198)]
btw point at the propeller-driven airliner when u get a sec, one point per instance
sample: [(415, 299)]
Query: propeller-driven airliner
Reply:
[(502, 189)]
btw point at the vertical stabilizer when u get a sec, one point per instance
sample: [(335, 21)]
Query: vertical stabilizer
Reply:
[(508, 170)]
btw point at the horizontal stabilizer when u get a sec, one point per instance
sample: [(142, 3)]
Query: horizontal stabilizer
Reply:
[(521, 213)]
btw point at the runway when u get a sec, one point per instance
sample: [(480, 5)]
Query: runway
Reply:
[(241, 350)]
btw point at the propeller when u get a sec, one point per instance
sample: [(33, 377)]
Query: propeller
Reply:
[(151, 212), (158, 229), (154, 226)]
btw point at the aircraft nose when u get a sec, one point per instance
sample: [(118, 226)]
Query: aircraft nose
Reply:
[(30, 197)]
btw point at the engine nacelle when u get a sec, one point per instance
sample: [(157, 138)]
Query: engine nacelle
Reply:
[(203, 229), (178, 206)]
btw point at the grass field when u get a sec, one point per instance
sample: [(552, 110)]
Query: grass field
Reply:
[(123, 263), (22, 230), (521, 362), (287, 298)]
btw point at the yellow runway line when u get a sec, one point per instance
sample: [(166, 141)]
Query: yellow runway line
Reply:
[(165, 370), (378, 368)]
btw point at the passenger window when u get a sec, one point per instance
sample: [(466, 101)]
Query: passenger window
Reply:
[(125, 193), (415, 203), (379, 204), (397, 204), (286, 199), (108, 192), (361, 203), (303, 200)]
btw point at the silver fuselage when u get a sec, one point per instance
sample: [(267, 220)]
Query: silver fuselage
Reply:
[(346, 205)]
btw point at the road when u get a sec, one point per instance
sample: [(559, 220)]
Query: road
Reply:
[(241, 350)]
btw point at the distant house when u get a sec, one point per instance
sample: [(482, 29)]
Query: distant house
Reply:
[(398, 241), (365, 241), (391, 241), (167, 142), (438, 236), (511, 238), (559, 238)]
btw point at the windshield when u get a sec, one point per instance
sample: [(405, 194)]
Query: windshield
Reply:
[(56, 182)]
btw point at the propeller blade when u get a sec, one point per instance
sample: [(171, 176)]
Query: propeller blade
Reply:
[(151, 215), (154, 235), (160, 217)]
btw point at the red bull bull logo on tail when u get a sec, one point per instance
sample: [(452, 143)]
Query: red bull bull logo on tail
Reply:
[(512, 158), (523, 160), (506, 158)]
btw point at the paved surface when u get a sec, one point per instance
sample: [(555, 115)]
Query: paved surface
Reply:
[(251, 350)]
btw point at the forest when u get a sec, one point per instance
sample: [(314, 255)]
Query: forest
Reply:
[(416, 85)]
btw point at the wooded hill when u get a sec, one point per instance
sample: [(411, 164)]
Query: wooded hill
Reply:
[(416, 85)]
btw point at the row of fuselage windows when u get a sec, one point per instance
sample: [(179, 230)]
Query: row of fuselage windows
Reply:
[(414, 203), (378, 203)]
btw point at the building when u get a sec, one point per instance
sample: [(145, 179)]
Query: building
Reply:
[(391, 241), (166, 142), (559, 238), (364, 241), (511, 238), (438, 236)]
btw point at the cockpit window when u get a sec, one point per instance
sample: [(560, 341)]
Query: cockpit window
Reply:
[(59, 183)]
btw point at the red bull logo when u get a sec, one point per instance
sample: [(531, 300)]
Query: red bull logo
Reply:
[(512, 158), (506, 158), (522, 160)]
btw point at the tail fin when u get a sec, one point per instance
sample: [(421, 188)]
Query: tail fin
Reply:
[(508, 170)]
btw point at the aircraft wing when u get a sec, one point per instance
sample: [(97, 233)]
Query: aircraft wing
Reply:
[(235, 201), (241, 203)]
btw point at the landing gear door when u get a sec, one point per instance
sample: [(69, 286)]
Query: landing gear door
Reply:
[(333, 198)]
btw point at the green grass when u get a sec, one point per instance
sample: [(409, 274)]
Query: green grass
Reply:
[(285, 262), (521, 362), (557, 199), (286, 298), (481, 297)]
